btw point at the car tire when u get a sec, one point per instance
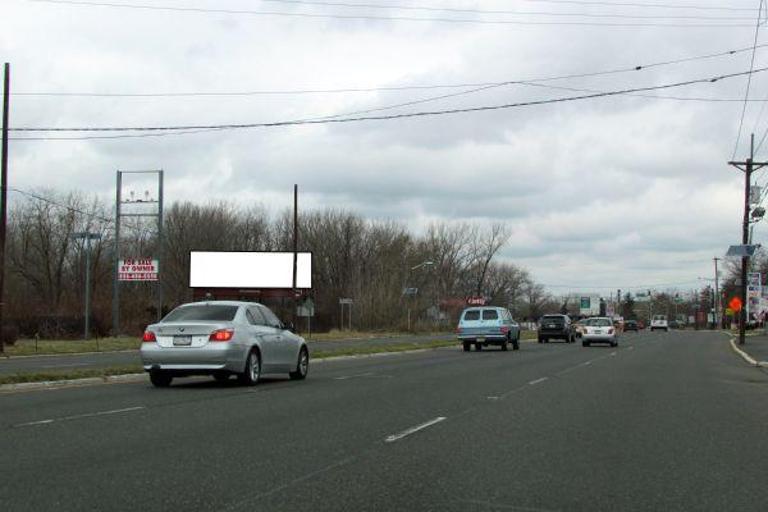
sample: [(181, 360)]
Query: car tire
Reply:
[(302, 365), (505, 345), (221, 376), (160, 379), (467, 346), (478, 347), (541, 340), (584, 343), (516, 343), (252, 371)]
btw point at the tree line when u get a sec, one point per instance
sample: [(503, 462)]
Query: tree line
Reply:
[(370, 261)]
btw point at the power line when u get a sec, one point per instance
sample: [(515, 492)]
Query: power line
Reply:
[(749, 82), (38, 197), (646, 5), (619, 70), (384, 18), (506, 12), (394, 116)]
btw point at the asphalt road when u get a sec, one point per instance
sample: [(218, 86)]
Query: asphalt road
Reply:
[(666, 421), (65, 362)]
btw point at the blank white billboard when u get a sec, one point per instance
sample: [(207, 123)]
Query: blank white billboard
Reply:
[(249, 269)]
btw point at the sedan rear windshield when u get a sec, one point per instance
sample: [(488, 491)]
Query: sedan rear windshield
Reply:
[(473, 314), (553, 319), (598, 322), (203, 312), (490, 314)]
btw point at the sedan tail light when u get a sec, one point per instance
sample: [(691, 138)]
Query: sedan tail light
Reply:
[(149, 337), (222, 335)]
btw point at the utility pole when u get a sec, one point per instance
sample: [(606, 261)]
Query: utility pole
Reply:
[(716, 301), (748, 167), (295, 249), (4, 196)]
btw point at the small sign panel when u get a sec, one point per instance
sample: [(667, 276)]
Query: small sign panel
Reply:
[(137, 269)]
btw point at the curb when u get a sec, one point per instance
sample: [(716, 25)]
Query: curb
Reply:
[(60, 384), (746, 357)]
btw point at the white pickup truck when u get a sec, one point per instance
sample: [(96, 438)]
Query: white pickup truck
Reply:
[(659, 322)]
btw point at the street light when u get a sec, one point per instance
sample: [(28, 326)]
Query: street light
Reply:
[(413, 291), (87, 236)]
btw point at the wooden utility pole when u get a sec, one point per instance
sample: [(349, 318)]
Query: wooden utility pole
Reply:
[(716, 302), (4, 196), (295, 251), (748, 167)]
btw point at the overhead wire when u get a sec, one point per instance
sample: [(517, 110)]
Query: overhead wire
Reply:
[(749, 82), (568, 76), (565, 99), (370, 17), (422, 8)]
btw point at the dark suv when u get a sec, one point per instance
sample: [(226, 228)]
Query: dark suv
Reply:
[(631, 325), (556, 327)]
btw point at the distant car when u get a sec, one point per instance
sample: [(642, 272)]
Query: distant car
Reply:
[(659, 322), (631, 325), (640, 324), (222, 338), (484, 326), (599, 330), (674, 324), (557, 327)]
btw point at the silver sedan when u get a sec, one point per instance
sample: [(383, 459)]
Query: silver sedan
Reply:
[(222, 338)]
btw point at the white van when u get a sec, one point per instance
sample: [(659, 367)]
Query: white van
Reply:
[(660, 322)]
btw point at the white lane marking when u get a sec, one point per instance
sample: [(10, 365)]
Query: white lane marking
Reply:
[(537, 381), (345, 377), (613, 354), (586, 363), (492, 397), (79, 416), (63, 365), (630, 348), (413, 430)]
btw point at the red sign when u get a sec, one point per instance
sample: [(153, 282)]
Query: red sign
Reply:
[(137, 269), (735, 304), (476, 301)]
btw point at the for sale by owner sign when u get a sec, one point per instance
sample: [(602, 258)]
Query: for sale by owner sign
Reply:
[(137, 270)]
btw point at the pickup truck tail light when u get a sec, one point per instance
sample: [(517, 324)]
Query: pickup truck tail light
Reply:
[(458, 330), (504, 329), (148, 337), (222, 335)]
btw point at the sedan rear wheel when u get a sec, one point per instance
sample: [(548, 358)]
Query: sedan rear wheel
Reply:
[(160, 379), (467, 346), (302, 365), (478, 346), (252, 371)]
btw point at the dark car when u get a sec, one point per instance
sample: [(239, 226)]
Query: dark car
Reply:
[(631, 325), (674, 324), (557, 327)]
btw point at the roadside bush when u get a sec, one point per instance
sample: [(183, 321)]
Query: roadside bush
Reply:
[(9, 335)]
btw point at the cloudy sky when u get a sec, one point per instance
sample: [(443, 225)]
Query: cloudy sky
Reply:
[(617, 192)]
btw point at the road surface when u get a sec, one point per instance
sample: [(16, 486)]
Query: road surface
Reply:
[(666, 421)]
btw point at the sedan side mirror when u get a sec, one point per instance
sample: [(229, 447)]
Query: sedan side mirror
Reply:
[(289, 327)]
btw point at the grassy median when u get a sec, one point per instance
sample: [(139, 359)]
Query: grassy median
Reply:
[(46, 347)]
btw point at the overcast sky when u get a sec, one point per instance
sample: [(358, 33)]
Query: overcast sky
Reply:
[(614, 192)]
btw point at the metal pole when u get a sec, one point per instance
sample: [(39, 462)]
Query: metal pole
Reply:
[(160, 246), (717, 298), (87, 322), (295, 247), (4, 195), (116, 258)]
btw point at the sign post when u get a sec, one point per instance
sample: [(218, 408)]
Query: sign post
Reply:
[(345, 302)]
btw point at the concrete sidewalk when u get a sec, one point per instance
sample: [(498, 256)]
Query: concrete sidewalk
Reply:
[(756, 345)]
